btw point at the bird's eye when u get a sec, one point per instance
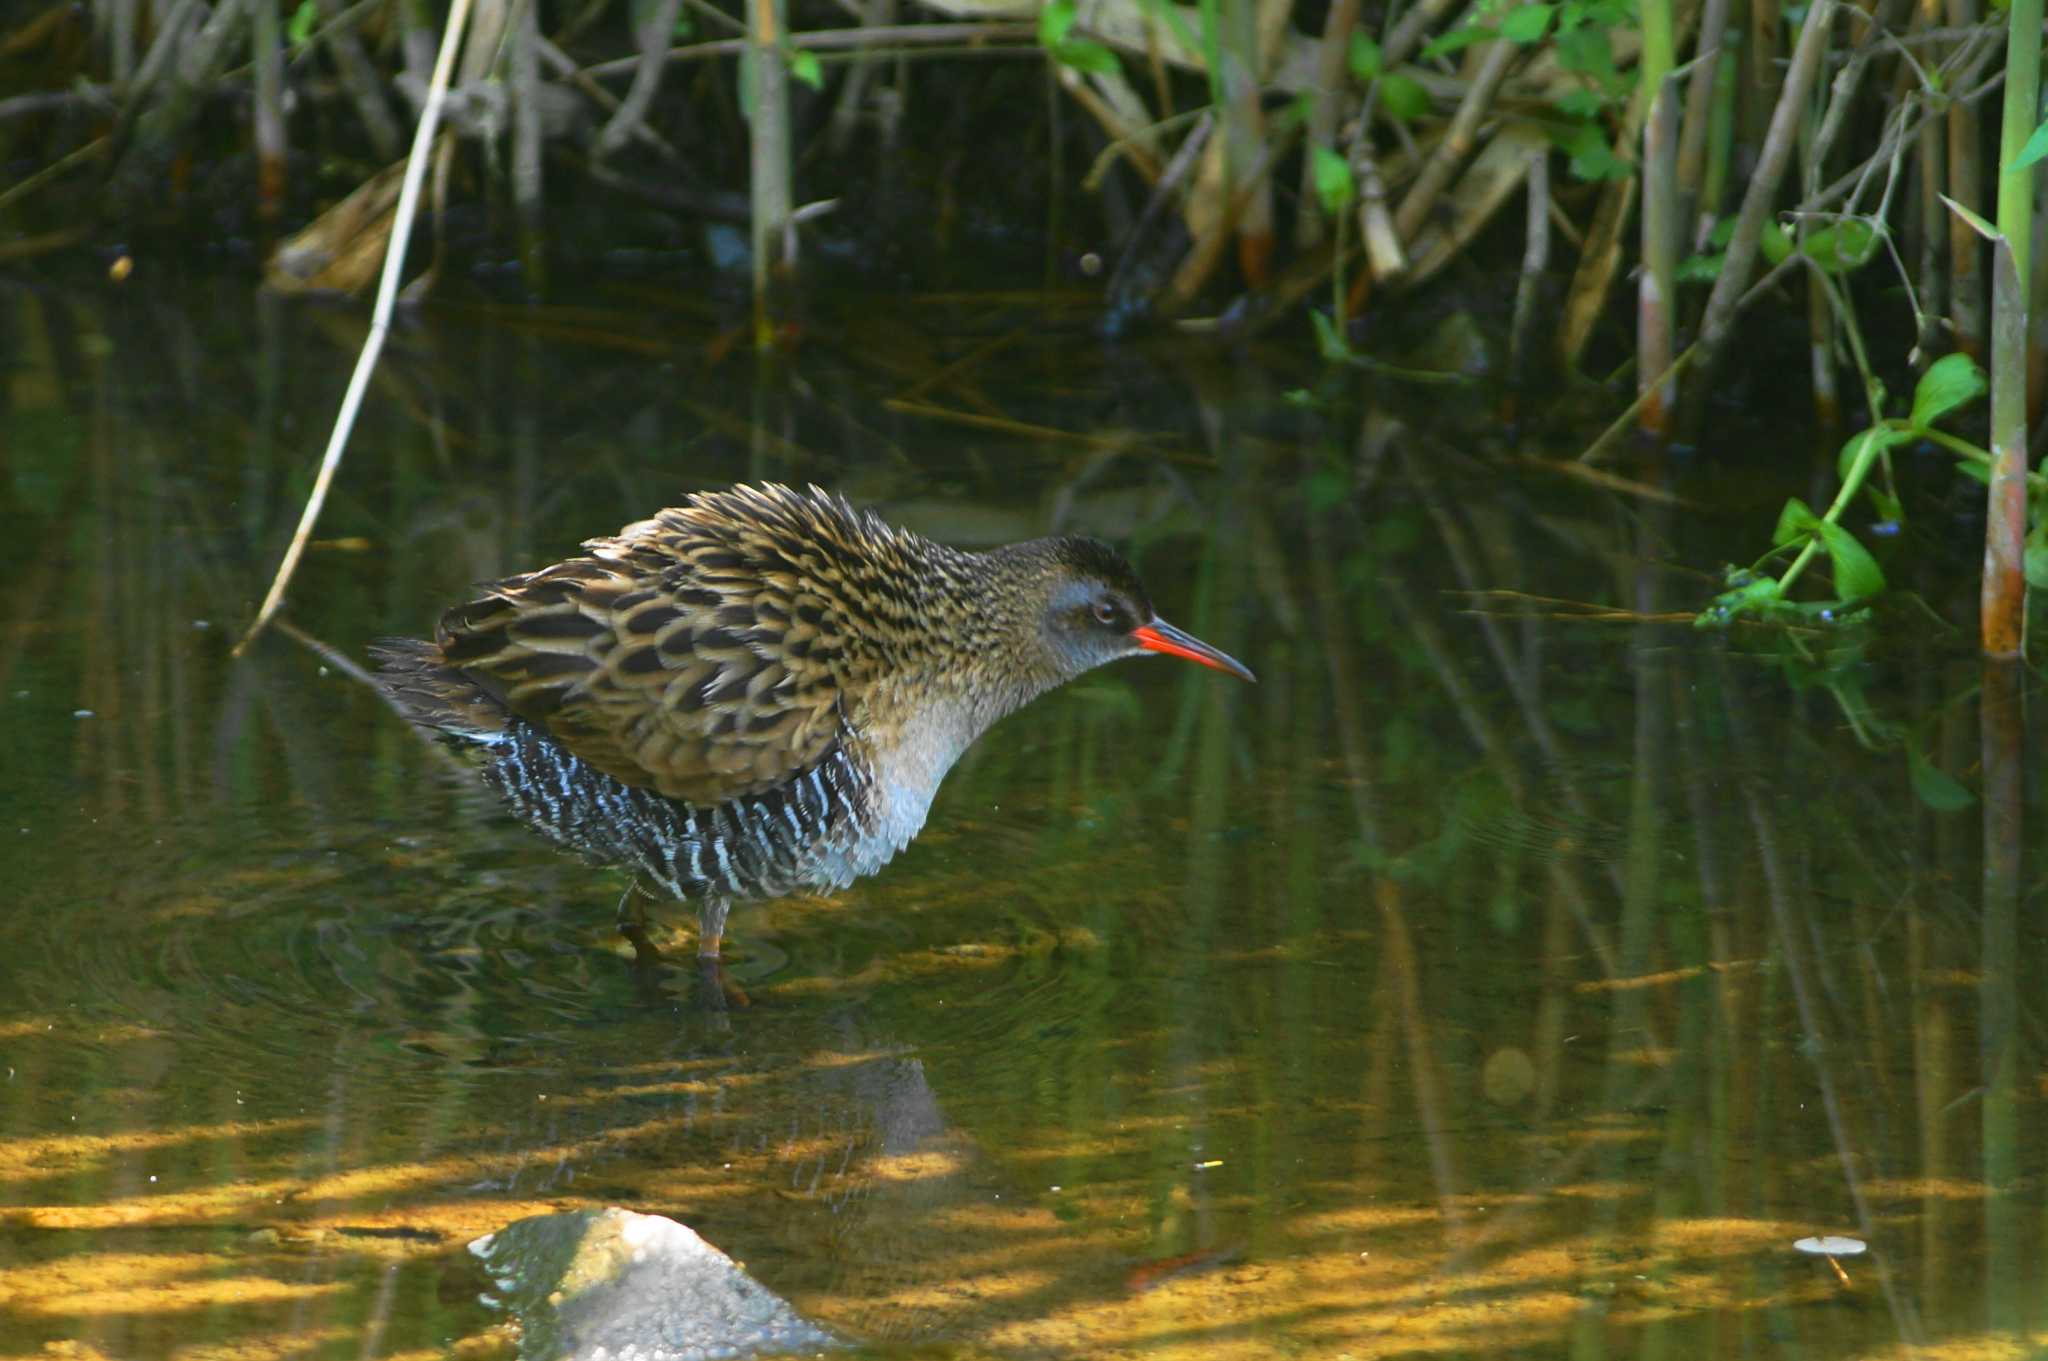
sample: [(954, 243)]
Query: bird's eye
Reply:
[(1105, 612)]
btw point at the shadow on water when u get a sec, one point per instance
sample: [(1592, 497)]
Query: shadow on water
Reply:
[(1489, 979)]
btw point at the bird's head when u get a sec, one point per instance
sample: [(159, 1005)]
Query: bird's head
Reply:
[(1095, 610)]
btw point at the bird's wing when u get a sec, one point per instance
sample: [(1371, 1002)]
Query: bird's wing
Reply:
[(705, 653)]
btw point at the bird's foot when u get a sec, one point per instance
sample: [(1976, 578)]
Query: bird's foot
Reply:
[(721, 990)]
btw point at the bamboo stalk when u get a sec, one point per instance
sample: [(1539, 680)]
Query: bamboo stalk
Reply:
[(2005, 529), (2004, 592), (1657, 287), (380, 319)]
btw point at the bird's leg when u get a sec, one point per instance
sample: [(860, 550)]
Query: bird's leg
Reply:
[(633, 924), (721, 990), (711, 926)]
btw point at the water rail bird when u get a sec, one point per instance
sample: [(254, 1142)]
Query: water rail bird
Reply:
[(757, 692)]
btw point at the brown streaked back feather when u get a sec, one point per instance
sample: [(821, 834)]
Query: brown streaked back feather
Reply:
[(705, 653)]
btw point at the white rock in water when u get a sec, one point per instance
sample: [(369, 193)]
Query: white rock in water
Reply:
[(1832, 1246), (604, 1285)]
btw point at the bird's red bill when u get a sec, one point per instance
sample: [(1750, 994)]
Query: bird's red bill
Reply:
[(1160, 636)]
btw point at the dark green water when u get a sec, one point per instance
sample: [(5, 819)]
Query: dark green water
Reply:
[(1485, 981)]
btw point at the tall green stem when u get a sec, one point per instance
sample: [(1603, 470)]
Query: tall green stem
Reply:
[(2003, 606)]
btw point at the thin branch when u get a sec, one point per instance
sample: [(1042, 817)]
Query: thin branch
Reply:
[(380, 317)]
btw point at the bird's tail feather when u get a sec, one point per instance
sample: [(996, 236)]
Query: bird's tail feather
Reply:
[(434, 695)]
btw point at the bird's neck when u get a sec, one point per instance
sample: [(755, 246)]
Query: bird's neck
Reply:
[(976, 655)]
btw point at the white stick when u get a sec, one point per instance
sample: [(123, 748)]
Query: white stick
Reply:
[(380, 316)]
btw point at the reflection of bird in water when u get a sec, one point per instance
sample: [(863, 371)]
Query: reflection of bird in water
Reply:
[(759, 691)]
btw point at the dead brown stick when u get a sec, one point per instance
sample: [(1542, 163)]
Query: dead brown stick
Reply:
[(380, 319)]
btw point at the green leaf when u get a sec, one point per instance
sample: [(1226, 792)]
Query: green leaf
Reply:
[(1458, 38), (1888, 507), (1934, 786), (1332, 175), (804, 66), (1330, 342), (1700, 269), (1580, 102), (1088, 57), (1586, 51), (1526, 24), (1755, 596), (2034, 150), (302, 21), (1977, 223), (1857, 574), (1592, 158), (2036, 565), (1776, 246), (1325, 488), (1796, 521), (1847, 245), (1055, 21), (1887, 436), (1364, 57), (1951, 381), (1403, 97)]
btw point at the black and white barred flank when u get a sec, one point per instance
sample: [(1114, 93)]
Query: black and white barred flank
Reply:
[(799, 836)]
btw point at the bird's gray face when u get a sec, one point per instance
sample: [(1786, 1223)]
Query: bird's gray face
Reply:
[(1089, 621)]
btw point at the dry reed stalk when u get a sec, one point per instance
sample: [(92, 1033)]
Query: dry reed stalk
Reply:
[(1242, 145), (380, 319), (1458, 140), (768, 126), (120, 26), (1775, 155), (565, 66), (1535, 260), (1324, 108), (651, 36), (144, 136), (529, 188), (1930, 152), (267, 55), (1694, 132), (1965, 186), (1720, 148), (1599, 265), (1761, 91), (360, 79), (853, 86)]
